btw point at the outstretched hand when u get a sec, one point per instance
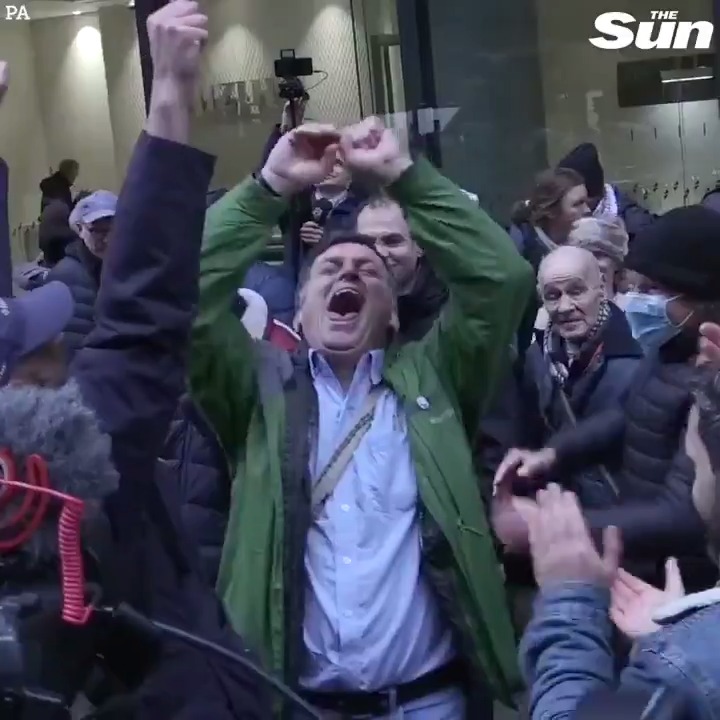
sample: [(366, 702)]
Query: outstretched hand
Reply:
[(301, 158), (561, 547), (634, 602)]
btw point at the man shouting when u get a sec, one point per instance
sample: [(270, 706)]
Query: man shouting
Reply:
[(358, 558)]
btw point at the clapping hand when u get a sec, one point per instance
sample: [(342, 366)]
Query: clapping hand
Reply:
[(561, 547), (372, 151), (301, 158), (634, 602)]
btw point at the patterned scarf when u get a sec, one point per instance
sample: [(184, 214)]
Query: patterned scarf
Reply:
[(567, 363), (608, 206)]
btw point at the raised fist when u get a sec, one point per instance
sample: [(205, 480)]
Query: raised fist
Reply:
[(302, 158), (371, 150), (4, 78), (177, 33)]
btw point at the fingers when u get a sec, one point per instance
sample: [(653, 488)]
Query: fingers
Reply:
[(673, 579), (632, 583), (512, 460), (318, 130), (711, 331), (622, 594), (612, 550)]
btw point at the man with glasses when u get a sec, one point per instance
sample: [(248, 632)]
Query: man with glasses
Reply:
[(80, 269)]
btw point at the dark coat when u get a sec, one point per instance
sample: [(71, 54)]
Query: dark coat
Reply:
[(634, 215), (80, 271), (54, 232), (533, 250), (543, 414), (132, 371), (55, 187), (656, 514), (6, 288), (195, 461), (276, 285)]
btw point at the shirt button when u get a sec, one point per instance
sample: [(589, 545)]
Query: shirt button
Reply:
[(348, 614), (347, 560), (345, 507), (423, 403)]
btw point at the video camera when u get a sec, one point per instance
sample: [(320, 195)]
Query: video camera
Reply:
[(289, 69)]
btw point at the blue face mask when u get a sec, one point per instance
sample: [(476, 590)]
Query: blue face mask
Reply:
[(648, 319)]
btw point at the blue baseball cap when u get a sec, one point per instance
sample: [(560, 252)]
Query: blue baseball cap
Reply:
[(100, 204), (30, 321)]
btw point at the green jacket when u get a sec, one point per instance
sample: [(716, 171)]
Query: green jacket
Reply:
[(258, 401)]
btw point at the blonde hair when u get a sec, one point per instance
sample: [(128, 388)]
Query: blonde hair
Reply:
[(605, 235)]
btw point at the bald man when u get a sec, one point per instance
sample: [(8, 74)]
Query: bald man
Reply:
[(580, 366), (570, 287)]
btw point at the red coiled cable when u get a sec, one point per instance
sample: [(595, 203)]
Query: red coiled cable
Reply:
[(30, 515)]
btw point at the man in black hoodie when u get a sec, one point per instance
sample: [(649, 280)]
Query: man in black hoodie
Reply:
[(58, 186)]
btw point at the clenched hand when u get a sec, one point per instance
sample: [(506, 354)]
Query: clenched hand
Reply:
[(301, 158), (372, 151)]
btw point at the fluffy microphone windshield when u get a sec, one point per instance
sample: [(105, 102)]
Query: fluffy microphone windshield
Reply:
[(58, 426)]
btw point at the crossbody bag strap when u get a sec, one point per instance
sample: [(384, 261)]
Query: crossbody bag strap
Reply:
[(328, 479), (604, 472)]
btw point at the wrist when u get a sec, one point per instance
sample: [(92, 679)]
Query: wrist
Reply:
[(169, 92), (279, 185), (169, 113), (395, 169)]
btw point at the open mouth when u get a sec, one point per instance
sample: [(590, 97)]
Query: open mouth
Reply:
[(345, 304)]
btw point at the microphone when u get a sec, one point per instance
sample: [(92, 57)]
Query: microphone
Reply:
[(54, 461), (321, 210)]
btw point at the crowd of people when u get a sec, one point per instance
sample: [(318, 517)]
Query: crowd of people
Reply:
[(428, 465)]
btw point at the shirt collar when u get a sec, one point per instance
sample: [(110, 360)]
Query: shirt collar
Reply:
[(373, 361)]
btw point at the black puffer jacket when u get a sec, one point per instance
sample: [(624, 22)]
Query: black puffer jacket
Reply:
[(80, 271), (196, 463), (656, 514)]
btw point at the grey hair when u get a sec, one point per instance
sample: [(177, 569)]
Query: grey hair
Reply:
[(604, 235), (58, 426)]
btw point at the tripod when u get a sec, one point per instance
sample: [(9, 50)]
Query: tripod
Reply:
[(292, 91)]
